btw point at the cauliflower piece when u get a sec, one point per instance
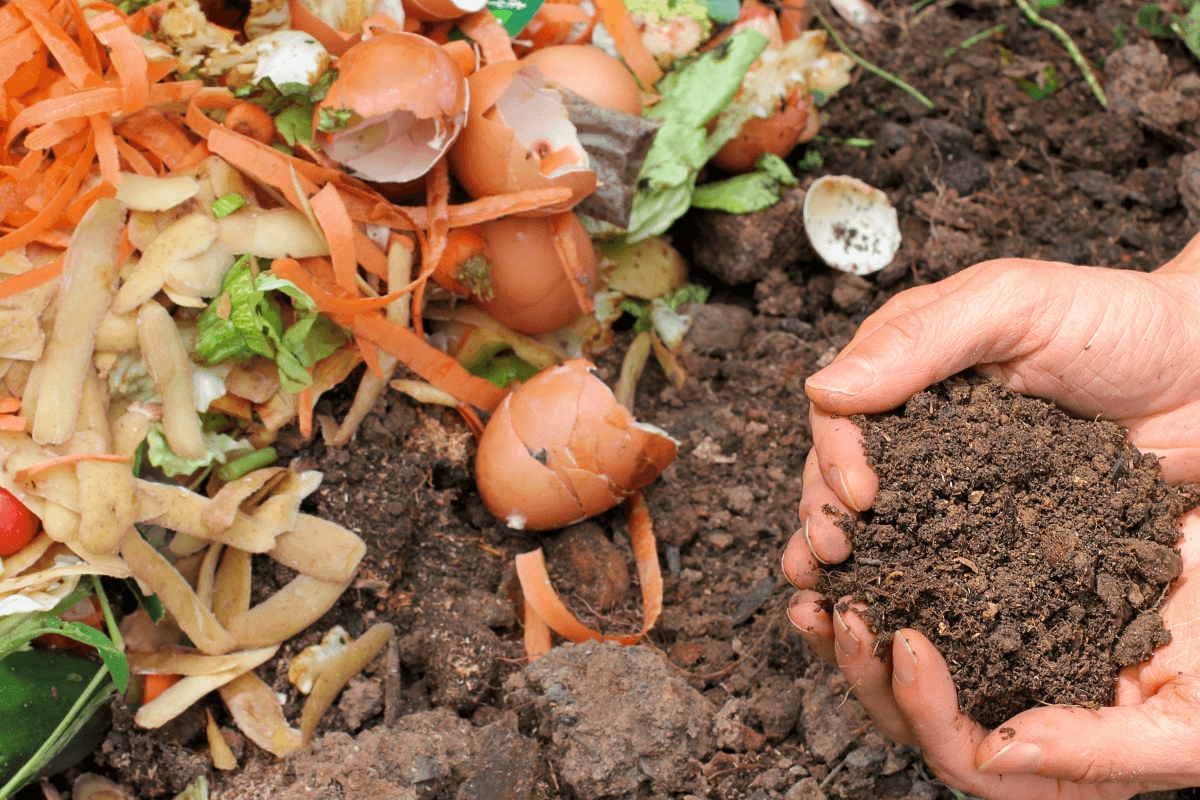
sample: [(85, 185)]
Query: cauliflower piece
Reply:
[(184, 28), (670, 28), (348, 15)]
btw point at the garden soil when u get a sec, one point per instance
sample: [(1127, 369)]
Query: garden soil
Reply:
[(723, 701)]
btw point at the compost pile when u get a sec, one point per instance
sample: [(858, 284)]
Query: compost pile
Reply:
[(1030, 547)]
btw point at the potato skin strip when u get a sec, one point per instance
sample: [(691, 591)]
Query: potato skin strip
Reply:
[(59, 461), (164, 580), (221, 511), (540, 595), (177, 660), (351, 661), (179, 509), (257, 713), (169, 366), (107, 504), (320, 549), (287, 612), (222, 755), (177, 699), (89, 280), (231, 587)]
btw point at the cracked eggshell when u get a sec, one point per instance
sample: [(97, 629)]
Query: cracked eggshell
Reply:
[(530, 289), (517, 128), (851, 225), (561, 449), (591, 73), (438, 10), (409, 104)]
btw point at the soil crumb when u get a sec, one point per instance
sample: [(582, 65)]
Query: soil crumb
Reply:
[(1033, 549)]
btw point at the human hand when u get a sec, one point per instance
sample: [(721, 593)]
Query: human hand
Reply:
[(1098, 342)]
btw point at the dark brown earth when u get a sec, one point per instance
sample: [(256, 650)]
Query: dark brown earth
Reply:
[(1033, 549), (724, 702)]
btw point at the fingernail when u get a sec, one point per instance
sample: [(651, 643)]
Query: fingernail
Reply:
[(846, 641), (847, 376), (904, 666), (1015, 757), (808, 541), (849, 498)]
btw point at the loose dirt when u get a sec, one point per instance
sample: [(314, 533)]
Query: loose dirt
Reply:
[(990, 172)]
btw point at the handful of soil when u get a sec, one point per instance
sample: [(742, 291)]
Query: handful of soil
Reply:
[(1030, 547)]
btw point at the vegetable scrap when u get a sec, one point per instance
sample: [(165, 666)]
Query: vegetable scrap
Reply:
[(209, 223)]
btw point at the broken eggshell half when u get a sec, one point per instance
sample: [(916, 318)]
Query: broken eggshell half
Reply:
[(518, 137), (852, 226), (561, 449), (406, 102)]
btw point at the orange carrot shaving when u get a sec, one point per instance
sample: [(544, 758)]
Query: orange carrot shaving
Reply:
[(49, 213), (564, 244), (10, 405), (540, 595), (305, 411), (462, 245), (331, 299), (10, 423), (106, 148), (555, 23), (471, 417), (427, 361), (485, 209), (18, 67), (59, 461), (370, 356), (258, 160), (463, 54), (629, 42), (52, 133), (105, 100), (437, 204), (335, 223), (136, 161), (645, 553), (81, 204), (486, 30), (367, 253), (537, 634), (64, 49), (155, 132), (155, 685), (251, 120), (127, 59)]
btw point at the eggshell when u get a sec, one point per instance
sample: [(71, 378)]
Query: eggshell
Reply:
[(488, 158), (796, 122), (530, 289), (560, 449), (437, 10), (402, 87), (591, 73)]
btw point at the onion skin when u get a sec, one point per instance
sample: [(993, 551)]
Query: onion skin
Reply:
[(530, 289), (561, 449), (489, 160), (796, 122)]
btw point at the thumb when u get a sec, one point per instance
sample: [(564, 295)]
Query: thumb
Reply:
[(985, 317), (1150, 744)]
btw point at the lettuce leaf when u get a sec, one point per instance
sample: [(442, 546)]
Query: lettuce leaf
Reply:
[(218, 445), (253, 324), (693, 92), (754, 191)]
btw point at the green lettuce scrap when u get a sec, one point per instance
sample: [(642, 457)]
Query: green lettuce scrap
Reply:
[(218, 447), (291, 104), (693, 93), (754, 191), (662, 316), (255, 326)]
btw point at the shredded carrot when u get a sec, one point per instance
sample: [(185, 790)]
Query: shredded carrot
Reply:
[(11, 423), (485, 209), (106, 148), (486, 30), (155, 685), (537, 635), (535, 585), (104, 100), (645, 552), (471, 417), (629, 42), (370, 356), (18, 66), (135, 159), (304, 408), (153, 131), (44, 218), (563, 227), (127, 59), (81, 204), (462, 244), (59, 461), (367, 253), (330, 211), (437, 205), (64, 49), (327, 298), (10, 405), (251, 120)]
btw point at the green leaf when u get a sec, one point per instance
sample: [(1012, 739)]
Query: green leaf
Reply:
[(724, 11), (227, 204), (218, 447), (333, 119), (1188, 29), (150, 603), (294, 124), (694, 91), (113, 658), (754, 191), (1150, 19), (812, 160)]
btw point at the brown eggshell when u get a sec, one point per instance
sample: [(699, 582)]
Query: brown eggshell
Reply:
[(591, 73), (488, 159), (437, 10), (563, 431), (530, 289), (797, 122)]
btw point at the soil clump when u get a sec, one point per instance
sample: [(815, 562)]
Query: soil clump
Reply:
[(1033, 549)]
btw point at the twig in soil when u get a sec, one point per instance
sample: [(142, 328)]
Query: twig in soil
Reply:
[(831, 774), (1068, 43), (391, 684), (974, 40), (869, 67)]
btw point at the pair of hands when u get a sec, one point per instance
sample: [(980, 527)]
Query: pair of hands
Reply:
[(1121, 345)]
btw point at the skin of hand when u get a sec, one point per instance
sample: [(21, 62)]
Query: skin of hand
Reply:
[(1115, 344)]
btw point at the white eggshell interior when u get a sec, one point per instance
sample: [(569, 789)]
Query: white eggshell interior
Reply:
[(851, 224), (537, 117)]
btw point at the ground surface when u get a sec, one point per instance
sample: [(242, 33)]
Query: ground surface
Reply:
[(724, 702)]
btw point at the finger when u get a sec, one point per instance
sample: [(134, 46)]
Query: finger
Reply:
[(799, 563), (1139, 745), (988, 314), (821, 515), (809, 616), (838, 443), (870, 676), (926, 696), (1170, 436)]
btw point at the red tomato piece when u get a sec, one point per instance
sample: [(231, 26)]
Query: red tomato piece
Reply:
[(18, 525)]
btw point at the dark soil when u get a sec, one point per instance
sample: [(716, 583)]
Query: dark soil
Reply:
[(989, 172), (1033, 549)]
